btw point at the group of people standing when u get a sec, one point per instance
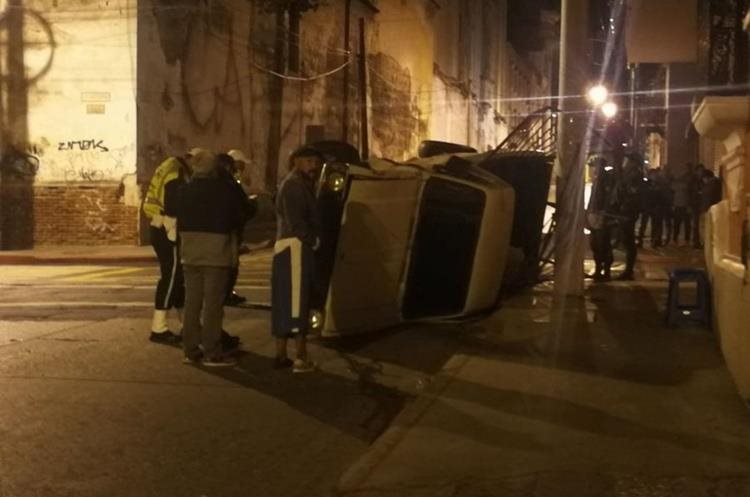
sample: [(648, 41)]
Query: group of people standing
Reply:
[(675, 204), (623, 196), (197, 210)]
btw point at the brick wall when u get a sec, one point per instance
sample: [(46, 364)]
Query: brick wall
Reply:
[(83, 215)]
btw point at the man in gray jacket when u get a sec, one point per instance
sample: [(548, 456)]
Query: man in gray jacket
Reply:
[(293, 271), (208, 219)]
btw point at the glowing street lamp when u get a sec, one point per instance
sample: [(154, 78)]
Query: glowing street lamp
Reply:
[(597, 95), (609, 110)]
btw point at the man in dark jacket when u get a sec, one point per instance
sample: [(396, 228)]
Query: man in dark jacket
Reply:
[(599, 218), (227, 170), (630, 191), (208, 219), (695, 196), (297, 237)]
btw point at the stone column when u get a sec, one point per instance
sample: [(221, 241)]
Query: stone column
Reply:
[(727, 119)]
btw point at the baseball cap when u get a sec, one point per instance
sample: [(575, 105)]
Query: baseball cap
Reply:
[(195, 151), (238, 155)]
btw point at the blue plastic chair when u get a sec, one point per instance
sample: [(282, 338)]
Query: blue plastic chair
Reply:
[(697, 311)]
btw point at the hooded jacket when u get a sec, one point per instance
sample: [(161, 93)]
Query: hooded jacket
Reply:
[(209, 216)]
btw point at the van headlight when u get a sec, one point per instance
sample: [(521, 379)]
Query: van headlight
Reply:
[(335, 182), (316, 320)]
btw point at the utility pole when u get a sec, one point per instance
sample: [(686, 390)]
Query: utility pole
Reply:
[(276, 99), (633, 111), (365, 131), (347, 39), (572, 148)]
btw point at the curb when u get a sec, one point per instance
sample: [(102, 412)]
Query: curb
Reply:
[(357, 474), (83, 260), (264, 247)]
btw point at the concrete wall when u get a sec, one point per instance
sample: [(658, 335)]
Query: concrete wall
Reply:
[(482, 86), (724, 119), (731, 297), (74, 114), (115, 86), (194, 81)]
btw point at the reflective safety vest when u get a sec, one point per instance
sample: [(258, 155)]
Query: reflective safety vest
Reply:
[(167, 171)]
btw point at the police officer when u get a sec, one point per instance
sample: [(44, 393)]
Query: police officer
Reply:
[(170, 290), (599, 218), (630, 190)]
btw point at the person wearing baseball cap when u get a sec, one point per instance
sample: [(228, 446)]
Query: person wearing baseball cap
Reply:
[(230, 167)]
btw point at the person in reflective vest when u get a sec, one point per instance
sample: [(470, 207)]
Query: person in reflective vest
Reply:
[(170, 289)]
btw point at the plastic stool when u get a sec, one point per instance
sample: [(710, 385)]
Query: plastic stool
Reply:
[(700, 311)]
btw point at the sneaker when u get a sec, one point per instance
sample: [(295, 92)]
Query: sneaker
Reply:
[(222, 361), (165, 337), (229, 342), (194, 358), (282, 363), (301, 366), (235, 299)]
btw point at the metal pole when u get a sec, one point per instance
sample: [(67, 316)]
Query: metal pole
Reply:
[(667, 91), (633, 112), (365, 147), (347, 36), (574, 74)]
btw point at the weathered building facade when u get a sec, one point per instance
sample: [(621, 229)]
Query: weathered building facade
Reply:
[(96, 93)]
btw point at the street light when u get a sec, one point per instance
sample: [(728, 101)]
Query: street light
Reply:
[(609, 110), (597, 95)]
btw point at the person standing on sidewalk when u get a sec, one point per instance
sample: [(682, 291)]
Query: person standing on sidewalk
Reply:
[(629, 196), (650, 210), (695, 197), (170, 290), (599, 218), (711, 192), (681, 203), (292, 277), (209, 216)]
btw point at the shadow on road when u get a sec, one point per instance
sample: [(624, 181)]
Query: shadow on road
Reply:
[(360, 409), (618, 332)]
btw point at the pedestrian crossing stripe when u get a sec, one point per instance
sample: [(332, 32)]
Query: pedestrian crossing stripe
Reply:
[(97, 275)]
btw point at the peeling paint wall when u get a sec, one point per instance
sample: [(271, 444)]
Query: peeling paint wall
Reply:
[(482, 87), (194, 81), (115, 86), (80, 60), (68, 107)]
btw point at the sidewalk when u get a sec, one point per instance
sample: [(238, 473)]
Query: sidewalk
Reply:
[(594, 399)]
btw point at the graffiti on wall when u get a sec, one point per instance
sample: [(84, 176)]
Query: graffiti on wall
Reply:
[(187, 35), (97, 145), (93, 164), (94, 213)]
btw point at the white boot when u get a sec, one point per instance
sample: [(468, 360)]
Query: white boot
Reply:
[(159, 322)]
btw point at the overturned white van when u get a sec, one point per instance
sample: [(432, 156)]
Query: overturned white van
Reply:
[(408, 241)]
